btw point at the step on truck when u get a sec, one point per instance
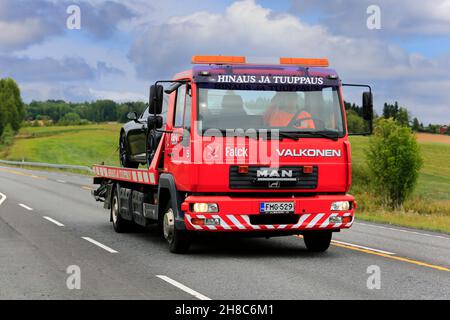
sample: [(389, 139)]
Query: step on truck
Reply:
[(237, 148)]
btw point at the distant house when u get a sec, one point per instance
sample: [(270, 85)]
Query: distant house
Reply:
[(443, 129)]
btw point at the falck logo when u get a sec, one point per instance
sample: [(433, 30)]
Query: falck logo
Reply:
[(275, 176)]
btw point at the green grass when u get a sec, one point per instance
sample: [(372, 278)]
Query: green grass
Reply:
[(434, 178), (427, 208), (433, 222), (76, 145)]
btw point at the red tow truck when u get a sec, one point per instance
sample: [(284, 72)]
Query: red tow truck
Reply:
[(235, 147)]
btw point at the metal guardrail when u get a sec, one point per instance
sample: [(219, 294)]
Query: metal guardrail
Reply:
[(47, 165)]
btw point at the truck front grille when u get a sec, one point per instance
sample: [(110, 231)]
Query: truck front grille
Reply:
[(249, 180)]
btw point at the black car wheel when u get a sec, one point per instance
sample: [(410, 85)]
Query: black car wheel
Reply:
[(124, 157), (153, 140)]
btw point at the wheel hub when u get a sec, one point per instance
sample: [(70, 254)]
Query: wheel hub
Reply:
[(169, 225), (115, 210)]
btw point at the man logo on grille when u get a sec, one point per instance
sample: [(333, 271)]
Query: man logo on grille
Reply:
[(274, 185), (274, 176)]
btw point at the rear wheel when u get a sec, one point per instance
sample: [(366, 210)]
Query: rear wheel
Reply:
[(318, 241), (120, 225), (179, 240), (124, 156)]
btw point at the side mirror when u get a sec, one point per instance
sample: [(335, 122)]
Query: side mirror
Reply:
[(156, 99), (367, 105), (132, 116), (154, 122)]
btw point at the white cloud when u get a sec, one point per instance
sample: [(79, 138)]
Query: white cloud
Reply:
[(18, 34), (412, 17), (118, 96), (250, 29), (25, 22)]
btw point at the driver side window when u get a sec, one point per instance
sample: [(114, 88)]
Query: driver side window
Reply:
[(179, 106)]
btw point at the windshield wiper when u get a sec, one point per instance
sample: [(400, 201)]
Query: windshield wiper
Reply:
[(323, 134), (290, 135)]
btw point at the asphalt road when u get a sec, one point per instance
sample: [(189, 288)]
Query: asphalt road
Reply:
[(49, 221)]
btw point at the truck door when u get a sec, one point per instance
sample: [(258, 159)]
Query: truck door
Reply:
[(178, 142)]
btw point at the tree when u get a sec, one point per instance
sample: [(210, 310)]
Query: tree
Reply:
[(416, 125), (7, 136), (403, 117), (394, 160), (12, 109), (355, 123), (70, 118)]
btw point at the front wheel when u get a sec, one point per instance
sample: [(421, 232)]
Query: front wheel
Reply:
[(317, 241), (179, 241)]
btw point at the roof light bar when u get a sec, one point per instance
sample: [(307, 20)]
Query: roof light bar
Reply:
[(312, 62), (218, 59)]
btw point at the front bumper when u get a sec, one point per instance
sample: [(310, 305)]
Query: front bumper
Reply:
[(235, 214)]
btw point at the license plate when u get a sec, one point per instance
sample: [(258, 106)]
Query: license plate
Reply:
[(276, 207)]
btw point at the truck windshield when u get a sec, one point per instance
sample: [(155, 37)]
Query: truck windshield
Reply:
[(307, 109)]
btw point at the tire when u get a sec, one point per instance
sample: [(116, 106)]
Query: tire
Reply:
[(179, 241), (120, 225), (124, 156), (153, 140), (318, 241)]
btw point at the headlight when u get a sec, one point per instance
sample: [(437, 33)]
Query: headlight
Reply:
[(340, 206), (205, 207)]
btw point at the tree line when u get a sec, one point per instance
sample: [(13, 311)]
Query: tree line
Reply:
[(393, 111), (62, 112)]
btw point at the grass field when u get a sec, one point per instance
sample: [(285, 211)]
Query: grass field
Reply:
[(77, 145), (428, 208)]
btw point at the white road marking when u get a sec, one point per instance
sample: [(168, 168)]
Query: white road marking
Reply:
[(401, 230), (25, 207), (61, 181), (2, 198), (100, 245), (59, 224), (183, 287), (362, 247)]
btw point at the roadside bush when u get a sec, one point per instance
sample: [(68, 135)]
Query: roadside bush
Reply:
[(394, 161), (355, 123), (70, 118), (7, 136)]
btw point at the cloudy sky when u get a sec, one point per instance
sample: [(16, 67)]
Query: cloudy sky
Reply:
[(123, 46)]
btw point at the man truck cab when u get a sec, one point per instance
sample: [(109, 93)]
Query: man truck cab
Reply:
[(245, 148)]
